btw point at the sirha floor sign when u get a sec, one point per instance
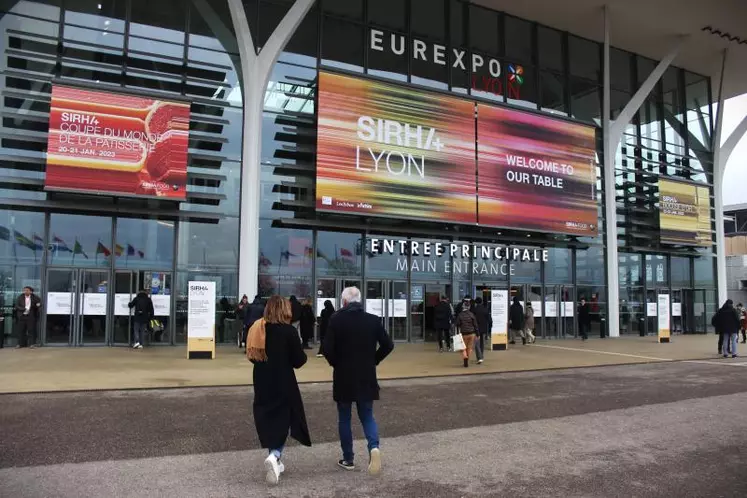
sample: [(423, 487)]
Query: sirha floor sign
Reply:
[(201, 320)]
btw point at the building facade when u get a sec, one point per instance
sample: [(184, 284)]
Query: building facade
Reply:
[(94, 247)]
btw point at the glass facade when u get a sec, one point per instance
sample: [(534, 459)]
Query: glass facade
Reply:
[(188, 49)]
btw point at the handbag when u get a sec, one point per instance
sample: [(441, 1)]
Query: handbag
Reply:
[(459, 342)]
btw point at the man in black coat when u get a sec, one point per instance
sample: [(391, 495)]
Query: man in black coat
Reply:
[(142, 307), (726, 322), (442, 321), (350, 347), (27, 308), (484, 324), (516, 322), (255, 312), (584, 319), (296, 314)]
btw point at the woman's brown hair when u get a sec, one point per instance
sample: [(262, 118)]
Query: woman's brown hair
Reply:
[(278, 310)]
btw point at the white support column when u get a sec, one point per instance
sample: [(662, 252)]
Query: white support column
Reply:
[(256, 72), (613, 133), (721, 154), (610, 205)]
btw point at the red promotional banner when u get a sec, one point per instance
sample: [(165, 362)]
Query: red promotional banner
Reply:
[(109, 143), (535, 173)]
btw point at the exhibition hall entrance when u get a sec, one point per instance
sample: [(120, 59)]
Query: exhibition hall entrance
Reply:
[(388, 299), (423, 301), (81, 309), (331, 289)]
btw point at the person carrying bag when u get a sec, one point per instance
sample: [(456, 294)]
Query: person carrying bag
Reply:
[(468, 328)]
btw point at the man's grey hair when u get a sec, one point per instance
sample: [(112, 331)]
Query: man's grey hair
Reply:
[(350, 295)]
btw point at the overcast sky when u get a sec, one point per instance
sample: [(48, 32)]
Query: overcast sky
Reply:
[(735, 178)]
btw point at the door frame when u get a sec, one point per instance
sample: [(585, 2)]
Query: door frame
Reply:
[(387, 311)]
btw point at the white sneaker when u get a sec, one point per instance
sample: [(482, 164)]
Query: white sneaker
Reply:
[(320, 356), (374, 465), (273, 469), (281, 467), (139, 346), (479, 362), (136, 346)]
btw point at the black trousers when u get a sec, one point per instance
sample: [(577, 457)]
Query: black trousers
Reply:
[(583, 330), (26, 330), (444, 336), (744, 336)]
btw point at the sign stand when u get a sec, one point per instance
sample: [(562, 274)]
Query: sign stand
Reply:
[(663, 318), (201, 320), (499, 314)]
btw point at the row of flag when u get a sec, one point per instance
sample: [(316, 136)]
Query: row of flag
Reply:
[(36, 243)]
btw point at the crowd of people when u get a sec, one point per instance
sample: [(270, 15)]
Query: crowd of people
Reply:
[(353, 342), (729, 321)]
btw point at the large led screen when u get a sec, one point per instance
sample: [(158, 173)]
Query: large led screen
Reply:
[(684, 213), (535, 173), (387, 150), (110, 143)]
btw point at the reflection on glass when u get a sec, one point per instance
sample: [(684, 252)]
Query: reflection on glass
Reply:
[(144, 243), (79, 240)]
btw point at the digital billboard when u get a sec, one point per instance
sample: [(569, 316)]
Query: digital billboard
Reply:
[(110, 143), (684, 213), (388, 150), (535, 173)]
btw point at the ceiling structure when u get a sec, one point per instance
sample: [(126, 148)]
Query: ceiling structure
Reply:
[(652, 28)]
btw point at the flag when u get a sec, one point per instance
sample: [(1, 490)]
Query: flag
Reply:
[(286, 255), (118, 250), (130, 250), (24, 241), (346, 254), (309, 252), (78, 249), (61, 245), (141, 254), (4, 233), (101, 249), (37, 238), (263, 260), (320, 254)]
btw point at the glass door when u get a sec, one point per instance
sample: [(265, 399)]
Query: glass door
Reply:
[(92, 296), (397, 310), (158, 286), (677, 322), (567, 312), (417, 312), (60, 319), (125, 288)]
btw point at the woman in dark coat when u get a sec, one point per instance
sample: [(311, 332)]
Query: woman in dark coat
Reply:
[(307, 323), (324, 317), (274, 349)]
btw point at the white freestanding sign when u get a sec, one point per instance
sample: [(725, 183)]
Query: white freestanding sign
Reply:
[(499, 314), (664, 319), (201, 318)]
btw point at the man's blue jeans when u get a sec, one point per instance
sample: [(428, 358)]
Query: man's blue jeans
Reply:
[(730, 343), (370, 429)]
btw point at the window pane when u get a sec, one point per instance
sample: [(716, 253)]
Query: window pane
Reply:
[(285, 261), (585, 58), (21, 237), (389, 13), (427, 19), (620, 76), (704, 274), (209, 245), (459, 77), (80, 240), (345, 8), (485, 83), (590, 265), (338, 254), (342, 45), (214, 29), (550, 48), (163, 20), (302, 47), (656, 270), (456, 23), (483, 29), (680, 272), (518, 40), (391, 62), (104, 15), (585, 101), (553, 93), (144, 244)]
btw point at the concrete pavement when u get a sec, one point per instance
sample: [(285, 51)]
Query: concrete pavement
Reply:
[(673, 429), (62, 369)]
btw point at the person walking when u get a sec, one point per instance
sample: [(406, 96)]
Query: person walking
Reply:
[(296, 314), (516, 322), (742, 322), (241, 310), (254, 312), (442, 319), (484, 324), (529, 323), (324, 317), (27, 308), (143, 311), (275, 351), (726, 322), (584, 319), (466, 324), (355, 343), (307, 320)]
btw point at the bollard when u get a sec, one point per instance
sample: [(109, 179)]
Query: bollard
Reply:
[(641, 327), (602, 328)]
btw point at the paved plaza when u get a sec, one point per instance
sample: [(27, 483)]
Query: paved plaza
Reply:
[(669, 429), (91, 368)]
